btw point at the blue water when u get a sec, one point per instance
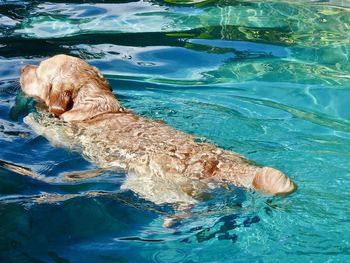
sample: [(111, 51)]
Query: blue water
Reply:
[(267, 79)]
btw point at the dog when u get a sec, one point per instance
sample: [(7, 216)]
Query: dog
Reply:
[(162, 164)]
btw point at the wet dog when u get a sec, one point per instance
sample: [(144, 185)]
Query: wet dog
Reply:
[(162, 164)]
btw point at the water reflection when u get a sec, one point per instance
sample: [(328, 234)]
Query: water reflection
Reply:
[(222, 32)]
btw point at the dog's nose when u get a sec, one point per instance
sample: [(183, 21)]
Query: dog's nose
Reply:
[(23, 68), (27, 67)]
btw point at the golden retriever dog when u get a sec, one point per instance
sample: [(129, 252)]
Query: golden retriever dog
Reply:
[(162, 164)]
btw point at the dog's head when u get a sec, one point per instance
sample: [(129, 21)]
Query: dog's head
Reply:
[(70, 87)]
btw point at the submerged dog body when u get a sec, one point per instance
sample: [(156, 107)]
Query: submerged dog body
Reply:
[(162, 163)]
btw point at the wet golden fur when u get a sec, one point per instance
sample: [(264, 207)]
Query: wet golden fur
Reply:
[(163, 164)]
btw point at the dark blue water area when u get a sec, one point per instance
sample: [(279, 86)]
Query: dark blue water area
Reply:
[(266, 79)]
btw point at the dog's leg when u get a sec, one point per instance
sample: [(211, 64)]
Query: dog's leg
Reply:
[(182, 211), (55, 131)]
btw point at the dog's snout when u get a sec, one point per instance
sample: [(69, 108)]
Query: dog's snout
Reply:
[(27, 67)]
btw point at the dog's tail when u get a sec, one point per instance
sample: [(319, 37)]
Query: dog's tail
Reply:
[(271, 181)]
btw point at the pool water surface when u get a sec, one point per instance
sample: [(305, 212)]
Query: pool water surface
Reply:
[(267, 79)]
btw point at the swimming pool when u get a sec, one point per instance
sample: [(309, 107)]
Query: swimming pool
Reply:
[(267, 79)]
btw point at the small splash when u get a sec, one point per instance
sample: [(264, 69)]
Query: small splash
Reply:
[(169, 256)]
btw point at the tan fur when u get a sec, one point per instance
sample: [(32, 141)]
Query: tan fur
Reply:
[(71, 88), (157, 157)]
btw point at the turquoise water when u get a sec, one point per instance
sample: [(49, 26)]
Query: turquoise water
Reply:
[(267, 79)]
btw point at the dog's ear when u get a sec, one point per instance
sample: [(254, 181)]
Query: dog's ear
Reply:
[(90, 104), (59, 99)]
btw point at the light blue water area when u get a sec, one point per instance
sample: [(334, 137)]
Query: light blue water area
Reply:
[(267, 79)]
